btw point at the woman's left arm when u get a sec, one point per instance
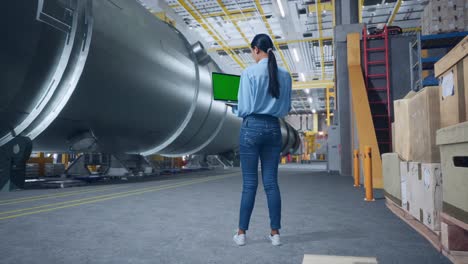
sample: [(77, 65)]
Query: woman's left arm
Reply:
[(243, 102)]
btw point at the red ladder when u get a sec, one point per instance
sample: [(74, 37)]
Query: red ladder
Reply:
[(377, 78)]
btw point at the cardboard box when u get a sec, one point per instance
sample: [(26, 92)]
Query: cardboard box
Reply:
[(432, 195), (424, 119), (443, 16), (404, 171), (391, 177), (417, 118), (414, 190), (453, 142), (402, 126)]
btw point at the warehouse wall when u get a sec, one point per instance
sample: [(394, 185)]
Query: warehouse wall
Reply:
[(399, 82), (400, 65)]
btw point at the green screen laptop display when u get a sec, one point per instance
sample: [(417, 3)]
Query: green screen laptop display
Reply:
[(225, 86)]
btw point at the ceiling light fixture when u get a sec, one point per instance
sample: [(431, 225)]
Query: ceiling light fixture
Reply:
[(296, 56), (281, 8), (306, 91), (314, 111), (302, 77), (310, 99)]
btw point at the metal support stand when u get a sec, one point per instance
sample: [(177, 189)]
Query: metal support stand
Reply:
[(117, 165), (134, 164), (13, 157), (77, 167)]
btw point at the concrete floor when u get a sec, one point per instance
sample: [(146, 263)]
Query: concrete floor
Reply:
[(191, 219)]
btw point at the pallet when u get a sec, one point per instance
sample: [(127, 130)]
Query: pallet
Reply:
[(455, 239), (434, 237)]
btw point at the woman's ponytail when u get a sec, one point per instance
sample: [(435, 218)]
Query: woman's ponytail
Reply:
[(264, 43), (273, 86)]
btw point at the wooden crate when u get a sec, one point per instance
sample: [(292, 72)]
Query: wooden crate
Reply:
[(453, 142), (453, 95)]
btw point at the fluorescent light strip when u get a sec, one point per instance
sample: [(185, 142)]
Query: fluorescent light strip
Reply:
[(296, 56), (302, 77), (281, 8)]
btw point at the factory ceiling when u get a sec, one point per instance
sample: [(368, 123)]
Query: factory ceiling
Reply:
[(302, 32)]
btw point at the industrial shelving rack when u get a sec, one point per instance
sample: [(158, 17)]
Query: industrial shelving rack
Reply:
[(418, 63)]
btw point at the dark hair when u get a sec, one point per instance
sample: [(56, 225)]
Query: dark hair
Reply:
[(264, 43)]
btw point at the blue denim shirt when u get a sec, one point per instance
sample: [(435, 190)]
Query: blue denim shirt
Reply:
[(253, 96)]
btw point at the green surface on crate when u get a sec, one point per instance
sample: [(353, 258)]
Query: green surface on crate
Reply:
[(453, 142), (391, 176)]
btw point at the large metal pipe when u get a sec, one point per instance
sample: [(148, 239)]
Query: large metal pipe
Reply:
[(107, 76)]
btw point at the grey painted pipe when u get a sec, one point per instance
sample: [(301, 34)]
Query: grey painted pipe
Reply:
[(84, 75)]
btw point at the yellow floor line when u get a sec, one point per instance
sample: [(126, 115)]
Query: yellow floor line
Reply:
[(49, 196), (120, 195), (79, 200), (62, 194)]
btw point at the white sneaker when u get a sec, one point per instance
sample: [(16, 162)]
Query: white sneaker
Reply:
[(275, 240), (239, 239)]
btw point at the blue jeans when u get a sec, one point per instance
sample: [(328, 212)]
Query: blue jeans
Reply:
[(260, 137)]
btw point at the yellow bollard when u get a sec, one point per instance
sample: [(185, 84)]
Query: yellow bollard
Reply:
[(368, 174), (356, 169)]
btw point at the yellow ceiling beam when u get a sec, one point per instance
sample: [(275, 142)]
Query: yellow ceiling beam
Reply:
[(278, 42), (162, 16), (413, 29), (394, 12), (199, 18), (233, 12), (223, 7), (304, 40), (324, 6), (270, 32), (318, 84)]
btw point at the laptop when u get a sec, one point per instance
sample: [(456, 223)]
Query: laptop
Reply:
[(225, 87)]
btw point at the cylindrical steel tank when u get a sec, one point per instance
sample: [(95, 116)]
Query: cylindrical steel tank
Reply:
[(107, 76)]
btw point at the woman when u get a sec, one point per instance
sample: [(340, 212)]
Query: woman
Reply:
[(264, 96)]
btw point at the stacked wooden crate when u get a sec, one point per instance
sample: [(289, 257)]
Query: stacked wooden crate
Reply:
[(426, 180), (417, 118), (441, 16), (452, 139)]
